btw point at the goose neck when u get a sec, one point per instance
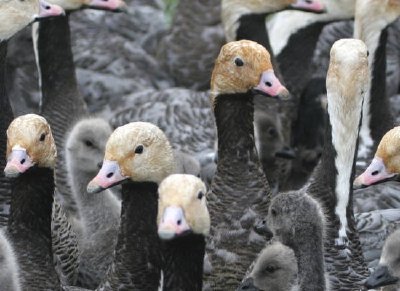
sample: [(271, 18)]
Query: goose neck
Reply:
[(138, 245), (32, 201), (183, 259)]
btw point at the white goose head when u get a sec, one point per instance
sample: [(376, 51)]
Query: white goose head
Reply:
[(182, 207), (138, 151)]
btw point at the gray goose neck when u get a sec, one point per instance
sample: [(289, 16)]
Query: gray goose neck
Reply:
[(6, 116), (238, 164), (183, 263), (30, 228), (239, 193), (138, 250), (61, 102)]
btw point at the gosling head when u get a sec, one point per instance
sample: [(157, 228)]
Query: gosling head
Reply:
[(86, 144), (138, 151), (244, 66), (386, 163), (388, 270), (29, 143), (274, 270), (182, 207)]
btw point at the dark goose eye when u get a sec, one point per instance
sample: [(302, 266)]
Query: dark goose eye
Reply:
[(42, 137), (239, 62), (200, 195), (88, 143), (139, 149)]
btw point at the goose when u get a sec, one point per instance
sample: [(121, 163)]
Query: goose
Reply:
[(377, 118), (61, 103), (31, 155), (246, 20), (183, 223), (9, 269), (239, 191), (274, 270), (17, 15), (330, 183), (387, 273), (140, 155), (100, 214)]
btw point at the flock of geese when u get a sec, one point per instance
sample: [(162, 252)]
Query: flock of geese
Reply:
[(281, 177)]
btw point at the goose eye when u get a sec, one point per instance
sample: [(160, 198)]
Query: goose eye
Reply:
[(272, 131), (88, 143), (139, 149), (200, 195), (270, 269), (273, 212), (239, 62), (42, 137)]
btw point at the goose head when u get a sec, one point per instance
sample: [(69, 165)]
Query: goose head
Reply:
[(16, 14), (244, 66), (108, 5), (386, 163), (29, 143), (274, 270), (233, 10), (182, 207), (86, 144), (138, 151), (388, 270)]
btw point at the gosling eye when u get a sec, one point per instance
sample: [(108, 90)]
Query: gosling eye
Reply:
[(200, 195), (270, 269), (42, 137), (239, 62), (88, 143), (139, 149)]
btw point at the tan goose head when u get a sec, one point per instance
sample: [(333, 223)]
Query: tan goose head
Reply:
[(16, 14), (243, 66), (233, 10), (182, 207), (138, 151), (386, 163), (29, 143)]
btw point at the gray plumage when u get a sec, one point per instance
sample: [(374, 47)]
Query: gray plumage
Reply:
[(9, 269), (100, 213), (297, 221), (387, 273), (274, 270)]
